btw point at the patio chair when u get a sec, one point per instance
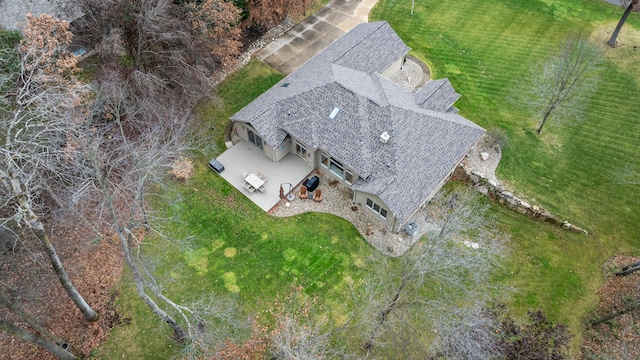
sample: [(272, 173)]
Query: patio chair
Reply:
[(262, 188), (245, 174), (248, 186), (317, 195), (303, 192), (262, 176)]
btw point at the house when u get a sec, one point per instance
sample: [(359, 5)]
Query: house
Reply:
[(341, 114)]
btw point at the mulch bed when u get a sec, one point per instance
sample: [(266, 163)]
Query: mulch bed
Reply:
[(620, 337)]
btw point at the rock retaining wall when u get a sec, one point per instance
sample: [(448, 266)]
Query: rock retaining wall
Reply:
[(496, 192)]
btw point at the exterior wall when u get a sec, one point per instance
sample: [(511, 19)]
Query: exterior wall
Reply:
[(269, 152), (360, 199), (309, 157), (395, 67), (242, 129), (283, 150)]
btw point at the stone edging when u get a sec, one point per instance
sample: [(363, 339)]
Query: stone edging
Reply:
[(496, 192)]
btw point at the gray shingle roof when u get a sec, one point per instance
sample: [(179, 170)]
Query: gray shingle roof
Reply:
[(437, 95), (428, 138)]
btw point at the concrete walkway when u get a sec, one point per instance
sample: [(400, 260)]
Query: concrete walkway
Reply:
[(313, 34)]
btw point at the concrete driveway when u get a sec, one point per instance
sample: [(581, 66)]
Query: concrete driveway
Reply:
[(316, 32)]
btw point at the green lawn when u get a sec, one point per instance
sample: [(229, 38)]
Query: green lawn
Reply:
[(483, 48)]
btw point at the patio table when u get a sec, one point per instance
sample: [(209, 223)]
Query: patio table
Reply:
[(253, 180)]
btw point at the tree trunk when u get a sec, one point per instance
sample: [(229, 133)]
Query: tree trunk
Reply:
[(384, 315), (544, 120), (30, 320), (27, 336), (627, 309), (614, 36), (178, 333), (629, 269), (75, 296), (34, 223)]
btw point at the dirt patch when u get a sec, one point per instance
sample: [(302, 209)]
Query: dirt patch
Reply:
[(618, 338)]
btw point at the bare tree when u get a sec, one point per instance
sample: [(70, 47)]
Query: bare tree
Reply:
[(300, 332), (43, 103), (217, 22), (466, 333), (270, 13), (127, 161), (631, 5), (46, 340), (149, 49), (35, 339), (560, 87), (440, 277), (629, 175)]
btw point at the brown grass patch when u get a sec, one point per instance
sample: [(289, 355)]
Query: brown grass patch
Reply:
[(626, 54)]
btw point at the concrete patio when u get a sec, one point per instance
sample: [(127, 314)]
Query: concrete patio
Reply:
[(244, 157)]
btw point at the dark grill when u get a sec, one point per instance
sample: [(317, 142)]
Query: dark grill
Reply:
[(312, 183)]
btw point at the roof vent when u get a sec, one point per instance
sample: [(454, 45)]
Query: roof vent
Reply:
[(334, 113), (384, 137)]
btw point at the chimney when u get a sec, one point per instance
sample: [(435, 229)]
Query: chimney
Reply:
[(384, 137)]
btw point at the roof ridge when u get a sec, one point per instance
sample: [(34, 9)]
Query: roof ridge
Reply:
[(381, 23), (364, 128)]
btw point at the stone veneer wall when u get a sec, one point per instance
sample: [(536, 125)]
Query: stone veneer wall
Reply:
[(496, 192)]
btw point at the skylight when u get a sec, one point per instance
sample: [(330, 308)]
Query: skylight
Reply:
[(334, 113)]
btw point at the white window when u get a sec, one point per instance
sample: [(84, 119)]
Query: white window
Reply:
[(348, 177), (377, 208), (301, 151), (337, 168), (254, 139), (324, 161)]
